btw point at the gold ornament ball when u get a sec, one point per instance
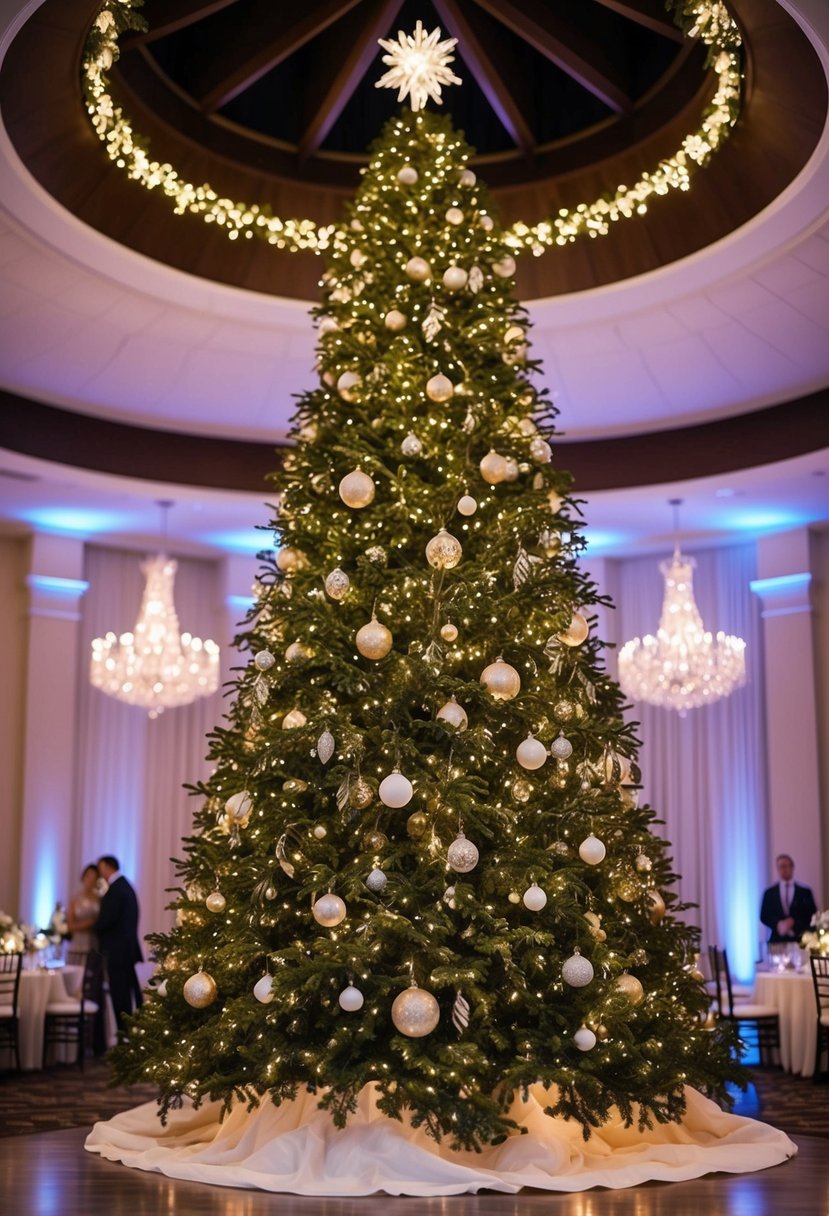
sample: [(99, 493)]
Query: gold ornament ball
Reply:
[(493, 468), (643, 863), (374, 640), (455, 278), (395, 320), (656, 906), (439, 388), (375, 842), (360, 794), (200, 990), (627, 888), (501, 680), (576, 632), (521, 790), (216, 902), (417, 824), (357, 489), (630, 986), (601, 1032), (418, 270), (347, 386), (449, 632), (454, 714), (415, 1012), (564, 710), (293, 719), (337, 584), (329, 910), (444, 551), (298, 652), (289, 560), (467, 505)]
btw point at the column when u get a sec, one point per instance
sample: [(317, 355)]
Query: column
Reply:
[(46, 856), (784, 589)]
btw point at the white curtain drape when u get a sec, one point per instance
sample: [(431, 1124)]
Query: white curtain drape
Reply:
[(705, 773), (130, 770)]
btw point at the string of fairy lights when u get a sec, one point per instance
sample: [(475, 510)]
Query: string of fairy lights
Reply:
[(708, 20)]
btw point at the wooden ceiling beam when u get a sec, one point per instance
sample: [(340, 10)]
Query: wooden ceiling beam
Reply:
[(165, 17), (353, 44), (565, 46), (497, 80), (269, 36), (649, 13)]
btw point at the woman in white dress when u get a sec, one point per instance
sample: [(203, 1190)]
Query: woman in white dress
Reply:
[(83, 912)]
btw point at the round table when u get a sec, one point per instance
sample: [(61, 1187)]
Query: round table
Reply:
[(792, 994)]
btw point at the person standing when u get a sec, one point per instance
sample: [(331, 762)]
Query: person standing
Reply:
[(82, 913), (787, 907), (117, 930)]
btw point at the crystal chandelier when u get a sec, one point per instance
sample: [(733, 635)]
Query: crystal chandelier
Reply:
[(684, 666), (156, 666)]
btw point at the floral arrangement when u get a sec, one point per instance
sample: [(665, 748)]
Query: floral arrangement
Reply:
[(816, 939), (15, 936)]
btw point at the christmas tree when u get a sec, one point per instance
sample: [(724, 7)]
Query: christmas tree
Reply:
[(419, 863)]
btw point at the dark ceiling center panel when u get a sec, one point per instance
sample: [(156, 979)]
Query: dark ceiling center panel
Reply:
[(303, 76)]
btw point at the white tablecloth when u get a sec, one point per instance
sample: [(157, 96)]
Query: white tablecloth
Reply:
[(37, 990), (792, 994)]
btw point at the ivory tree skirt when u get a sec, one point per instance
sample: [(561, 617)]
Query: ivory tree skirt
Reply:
[(296, 1148)]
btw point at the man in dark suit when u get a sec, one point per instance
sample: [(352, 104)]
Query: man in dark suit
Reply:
[(117, 930), (787, 908)]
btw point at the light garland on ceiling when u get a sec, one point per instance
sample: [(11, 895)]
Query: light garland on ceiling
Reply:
[(707, 19)]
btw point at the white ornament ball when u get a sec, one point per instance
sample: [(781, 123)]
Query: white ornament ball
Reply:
[(467, 177), (449, 632), (540, 451), (439, 388), (200, 990), (407, 176), (411, 445), (293, 719), (561, 748), (239, 806), (454, 216), (415, 1012), (449, 897), (395, 320), (263, 989), (592, 850), (486, 222), (357, 258), (374, 640), (396, 790), (444, 551), (351, 999), (455, 278), (467, 505), (347, 386), (504, 267), (418, 270), (337, 584), (511, 469), (584, 1039), (493, 468), (328, 325), (462, 854), (357, 489), (329, 910), (535, 898), (216, 902), (531, 753), (454, 714), (320, 831), (501, 680), (376, 881), (264, 660), (577, 971)]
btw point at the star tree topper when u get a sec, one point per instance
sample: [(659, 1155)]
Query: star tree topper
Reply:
[(419, 65)]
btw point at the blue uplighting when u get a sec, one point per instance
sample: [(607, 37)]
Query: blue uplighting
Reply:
[(599, 542), (245, 540), (781, 584), (71, 521), (70, 587)]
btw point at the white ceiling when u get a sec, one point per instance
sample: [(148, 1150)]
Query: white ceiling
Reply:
[(88, 324)]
